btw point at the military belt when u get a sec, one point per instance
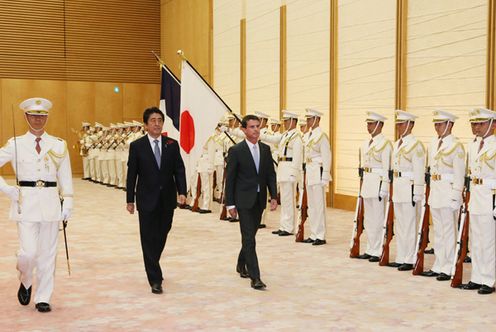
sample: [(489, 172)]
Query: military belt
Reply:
[(38, 184), (285, 159)]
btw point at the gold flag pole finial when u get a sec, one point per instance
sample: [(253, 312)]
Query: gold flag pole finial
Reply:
[(181, 54)]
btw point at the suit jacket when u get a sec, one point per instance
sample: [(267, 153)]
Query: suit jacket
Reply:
[(242, 179), (155, 186)]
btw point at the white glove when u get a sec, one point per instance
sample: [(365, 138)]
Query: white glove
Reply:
[(223, 129), (12, 192), (326, 178), (418, 198), (66, 213), (383, 193), (455, 205)]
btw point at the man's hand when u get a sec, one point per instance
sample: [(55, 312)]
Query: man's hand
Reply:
[(233, 212), (130, 208), (273, 204), (181, 199)]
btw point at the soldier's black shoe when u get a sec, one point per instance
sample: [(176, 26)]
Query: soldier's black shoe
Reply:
[(230, 219), (471, 286), (309, 240), (429, 251), (443, 277), (467, 260), (405, 267), (318, 242), (24, 295), (485, 290), (202, 211), (364, 256), (374, 259), (429, 273), (43, 307), (276, 232), (284, 233), (262, 226), (394, 264)]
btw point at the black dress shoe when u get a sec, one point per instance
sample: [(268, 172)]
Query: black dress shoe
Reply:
[(309, 240), (405, 267), (202, 211), (243, 273), (374, 259), (24, 295), (262, 226), (485, 290), (443, 277), (276, 232), (43, 307), (364, 256), (429, 273), (429, 251), (471, 286), (233, 219), (467, 260), (284, 233), (157, 289), (258, 284), (318, 242), (394, 264)]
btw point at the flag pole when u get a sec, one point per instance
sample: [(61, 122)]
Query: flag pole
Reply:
[(181, 54), (163, 65)]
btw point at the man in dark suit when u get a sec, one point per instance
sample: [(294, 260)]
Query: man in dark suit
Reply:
[(249, 173), (156, 164)]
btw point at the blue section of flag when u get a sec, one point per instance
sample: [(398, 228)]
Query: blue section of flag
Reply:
[(170, 91)]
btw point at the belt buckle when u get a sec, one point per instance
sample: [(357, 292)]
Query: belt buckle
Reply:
[(367, 169), (40, 184), (396, 174), (436, 177), (477, 181)]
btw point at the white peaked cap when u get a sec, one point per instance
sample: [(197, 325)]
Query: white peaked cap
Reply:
[(374, 117), (98, 125), (402, 116), (262, 115), (439, 116), (311, 112), (85, 124), (289, 115), (36, 106), (273, 121), (481, 115)]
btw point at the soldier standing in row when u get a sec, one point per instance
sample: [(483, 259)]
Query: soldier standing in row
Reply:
[(42, 165), (376, 159)]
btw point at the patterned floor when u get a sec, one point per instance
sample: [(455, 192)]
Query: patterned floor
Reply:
[(309, 288)]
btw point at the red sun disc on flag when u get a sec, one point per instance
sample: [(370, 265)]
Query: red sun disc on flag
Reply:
[(187, 132)]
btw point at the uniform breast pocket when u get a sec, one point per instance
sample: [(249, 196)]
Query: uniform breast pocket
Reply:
[(25, 167)]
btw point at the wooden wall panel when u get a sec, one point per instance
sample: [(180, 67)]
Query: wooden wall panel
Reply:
[(186, 25), (138, 97), (108, 104)]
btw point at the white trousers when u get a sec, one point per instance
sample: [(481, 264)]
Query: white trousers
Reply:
[(104, 171), (124, 172), (288, 206), (405, 231), (219, 175), (93, 169), (373, 222), (86, 168), (119, 174), (112, 172), (206, 190), (38, 249), (98, 170), (316, 211), (482, 238), (444, 220)]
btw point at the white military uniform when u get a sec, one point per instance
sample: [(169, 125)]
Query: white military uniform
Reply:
[(219, 140), (447, 168), (318, 175), (84, 141), (376, 161), (204, 169), (288, 172), (482, 224), (38, 209), (408, 164)]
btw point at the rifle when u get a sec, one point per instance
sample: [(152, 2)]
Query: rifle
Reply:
[(195, 207), (358, 220), (223, 210), (387, 229), (462, 241), (423, 230), (303, 209)]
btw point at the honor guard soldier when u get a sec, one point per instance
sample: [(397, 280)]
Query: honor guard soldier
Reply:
[(408, 164), (288, 172), (482, 202), (376, 161), (84, 142), (446, 162), (318, 176), (92, 152), (43, 170)]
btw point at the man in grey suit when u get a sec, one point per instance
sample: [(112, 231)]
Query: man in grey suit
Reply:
[(249, 173)]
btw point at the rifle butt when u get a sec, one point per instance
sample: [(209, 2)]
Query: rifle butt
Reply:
[(419, 264)]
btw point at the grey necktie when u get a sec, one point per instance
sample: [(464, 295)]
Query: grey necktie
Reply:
[(156, 152), (256, 156)]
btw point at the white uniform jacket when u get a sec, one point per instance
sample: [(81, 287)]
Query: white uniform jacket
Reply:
[(39, 204), (408, 164), (318, 158), (376, 161), (483, 173), (290, 156)]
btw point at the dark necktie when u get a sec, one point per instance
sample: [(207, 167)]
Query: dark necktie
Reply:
[(481, 145), (38, 147), (370, 142), (439, 144), (400, 142), (156, 152)]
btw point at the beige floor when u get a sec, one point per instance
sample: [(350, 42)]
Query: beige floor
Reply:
[(309, 288)]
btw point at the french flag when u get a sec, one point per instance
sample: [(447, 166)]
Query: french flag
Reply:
[(170, 102)]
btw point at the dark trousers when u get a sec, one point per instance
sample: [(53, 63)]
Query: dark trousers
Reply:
[(249, 219), (154, 227)]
